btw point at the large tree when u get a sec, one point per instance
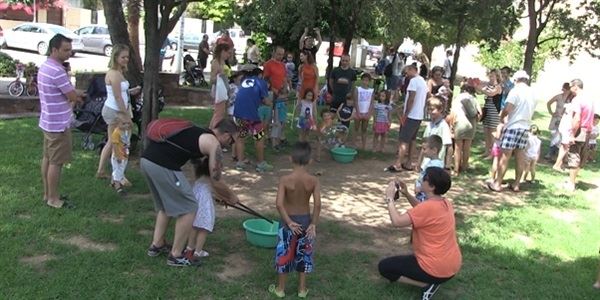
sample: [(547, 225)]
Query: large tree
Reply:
[(466, 21), (574, 26)]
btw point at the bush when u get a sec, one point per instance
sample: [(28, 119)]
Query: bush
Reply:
[(7, 65), (263, 46)]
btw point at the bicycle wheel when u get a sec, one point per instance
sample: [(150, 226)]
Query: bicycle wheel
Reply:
[(16, 88), (32, 90)]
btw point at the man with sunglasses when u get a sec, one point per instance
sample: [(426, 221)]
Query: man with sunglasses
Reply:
[(173, 196)]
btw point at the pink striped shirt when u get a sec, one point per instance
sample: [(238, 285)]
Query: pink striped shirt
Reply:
[(54, 84)]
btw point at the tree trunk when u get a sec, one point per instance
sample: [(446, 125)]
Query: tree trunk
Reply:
[(348, 42), (332, 34), (427, 50), (532, 38), (133, 21), (460, 30), (117, 27)]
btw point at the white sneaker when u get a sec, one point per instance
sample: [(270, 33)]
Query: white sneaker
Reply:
[(202, 253)]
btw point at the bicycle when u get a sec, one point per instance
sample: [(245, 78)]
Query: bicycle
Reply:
[(17, 87), (31, 85)]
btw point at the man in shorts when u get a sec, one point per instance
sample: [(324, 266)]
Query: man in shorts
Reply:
[(414, 111), (582, 110), (251, 94), (173, 195), (57, 97), (516, 116)]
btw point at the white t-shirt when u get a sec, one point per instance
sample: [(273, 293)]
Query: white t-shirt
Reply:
[(442, 130), (521, 96), (533, 147), (419, 86), (364, 99)]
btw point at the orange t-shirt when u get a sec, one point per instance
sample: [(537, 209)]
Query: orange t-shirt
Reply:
[(434, 237), (275, 73), (309, 79)]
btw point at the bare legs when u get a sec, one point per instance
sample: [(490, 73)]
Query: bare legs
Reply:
[(489, 140), (458, 155), (281, 279), (51, 181), (105, 154), (260, 149), (183, 226), (219, 112), (562, 152), (403, 149), (502, 166), (197, 239), (360, 127)]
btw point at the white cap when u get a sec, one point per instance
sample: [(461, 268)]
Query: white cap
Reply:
[(520, 75)]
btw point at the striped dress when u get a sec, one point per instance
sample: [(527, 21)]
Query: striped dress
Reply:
[(491, 110)]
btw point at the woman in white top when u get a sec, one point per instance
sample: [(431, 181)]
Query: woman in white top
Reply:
[(219, 78), (252, 52), (117, 99)]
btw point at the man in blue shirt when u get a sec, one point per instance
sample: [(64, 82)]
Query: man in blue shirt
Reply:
[(253, 92)]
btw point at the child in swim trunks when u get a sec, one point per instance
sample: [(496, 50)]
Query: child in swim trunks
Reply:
[(297, 227)]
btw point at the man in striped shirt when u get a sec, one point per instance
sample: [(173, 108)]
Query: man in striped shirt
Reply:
[(57, 97)]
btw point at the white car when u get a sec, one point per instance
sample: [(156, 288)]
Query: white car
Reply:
[(36, 37)]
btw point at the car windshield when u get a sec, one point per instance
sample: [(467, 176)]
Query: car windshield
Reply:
[(60, 30)]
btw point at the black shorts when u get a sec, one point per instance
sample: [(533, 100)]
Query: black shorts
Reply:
[(408, 131), (407, 266)]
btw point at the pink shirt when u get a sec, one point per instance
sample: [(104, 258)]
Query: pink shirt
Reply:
[(54, 84), (585, 105)]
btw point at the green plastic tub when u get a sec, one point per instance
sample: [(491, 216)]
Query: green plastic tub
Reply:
[(343, 155), (261, 233)]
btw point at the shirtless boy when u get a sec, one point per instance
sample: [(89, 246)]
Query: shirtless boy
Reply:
[(297, 229)]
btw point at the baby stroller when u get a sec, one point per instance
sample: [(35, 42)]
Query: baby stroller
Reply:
[(88, 116), (192, 73)]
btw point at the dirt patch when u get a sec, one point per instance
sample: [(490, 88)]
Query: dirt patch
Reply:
[(236, 265), (37, 261), (83, 243), (113, 219)]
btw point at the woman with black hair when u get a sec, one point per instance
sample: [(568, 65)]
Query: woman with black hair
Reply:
[(437, 257)]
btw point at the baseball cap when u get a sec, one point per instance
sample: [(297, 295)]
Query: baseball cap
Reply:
[(520, 75)]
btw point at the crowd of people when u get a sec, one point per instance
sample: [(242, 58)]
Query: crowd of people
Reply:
[(252, 102)]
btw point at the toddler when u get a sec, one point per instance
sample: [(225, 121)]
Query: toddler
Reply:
[(532, 153), (382, 119), (306, 111), (297, 227), (346, 113), (363, 96), (496, 150), (120, 139), (279, 118), (204, 221)]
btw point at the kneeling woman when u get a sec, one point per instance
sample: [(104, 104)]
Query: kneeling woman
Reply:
[(436, 257)]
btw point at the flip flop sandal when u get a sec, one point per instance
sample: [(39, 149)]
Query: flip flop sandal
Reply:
[(406, 168), (392, 169), (273, 290), (491, 188), (65, 205), (303, 294)]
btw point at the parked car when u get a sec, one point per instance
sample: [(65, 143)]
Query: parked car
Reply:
[(95, 38), (36, 37), (374, 52), (190, 40), (1, 37)]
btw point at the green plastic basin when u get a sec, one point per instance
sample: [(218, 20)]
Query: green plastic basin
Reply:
[(261, 233), (343, 155)]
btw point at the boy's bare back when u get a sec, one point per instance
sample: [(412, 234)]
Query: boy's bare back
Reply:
[(299, 186)]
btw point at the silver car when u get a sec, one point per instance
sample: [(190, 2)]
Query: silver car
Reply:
[(36, 37), (95, 38)]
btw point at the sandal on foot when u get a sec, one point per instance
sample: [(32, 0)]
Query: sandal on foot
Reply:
[(65, 204), (491, 187), (407, 168), (303, 294), (273, 290), (392, 169)]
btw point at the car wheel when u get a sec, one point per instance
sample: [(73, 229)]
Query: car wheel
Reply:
[(108, 50), (42, 48)]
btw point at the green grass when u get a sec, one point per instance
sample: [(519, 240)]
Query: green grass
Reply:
[(544, 246)]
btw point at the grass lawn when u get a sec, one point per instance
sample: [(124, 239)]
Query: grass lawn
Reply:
[(539, 244)]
